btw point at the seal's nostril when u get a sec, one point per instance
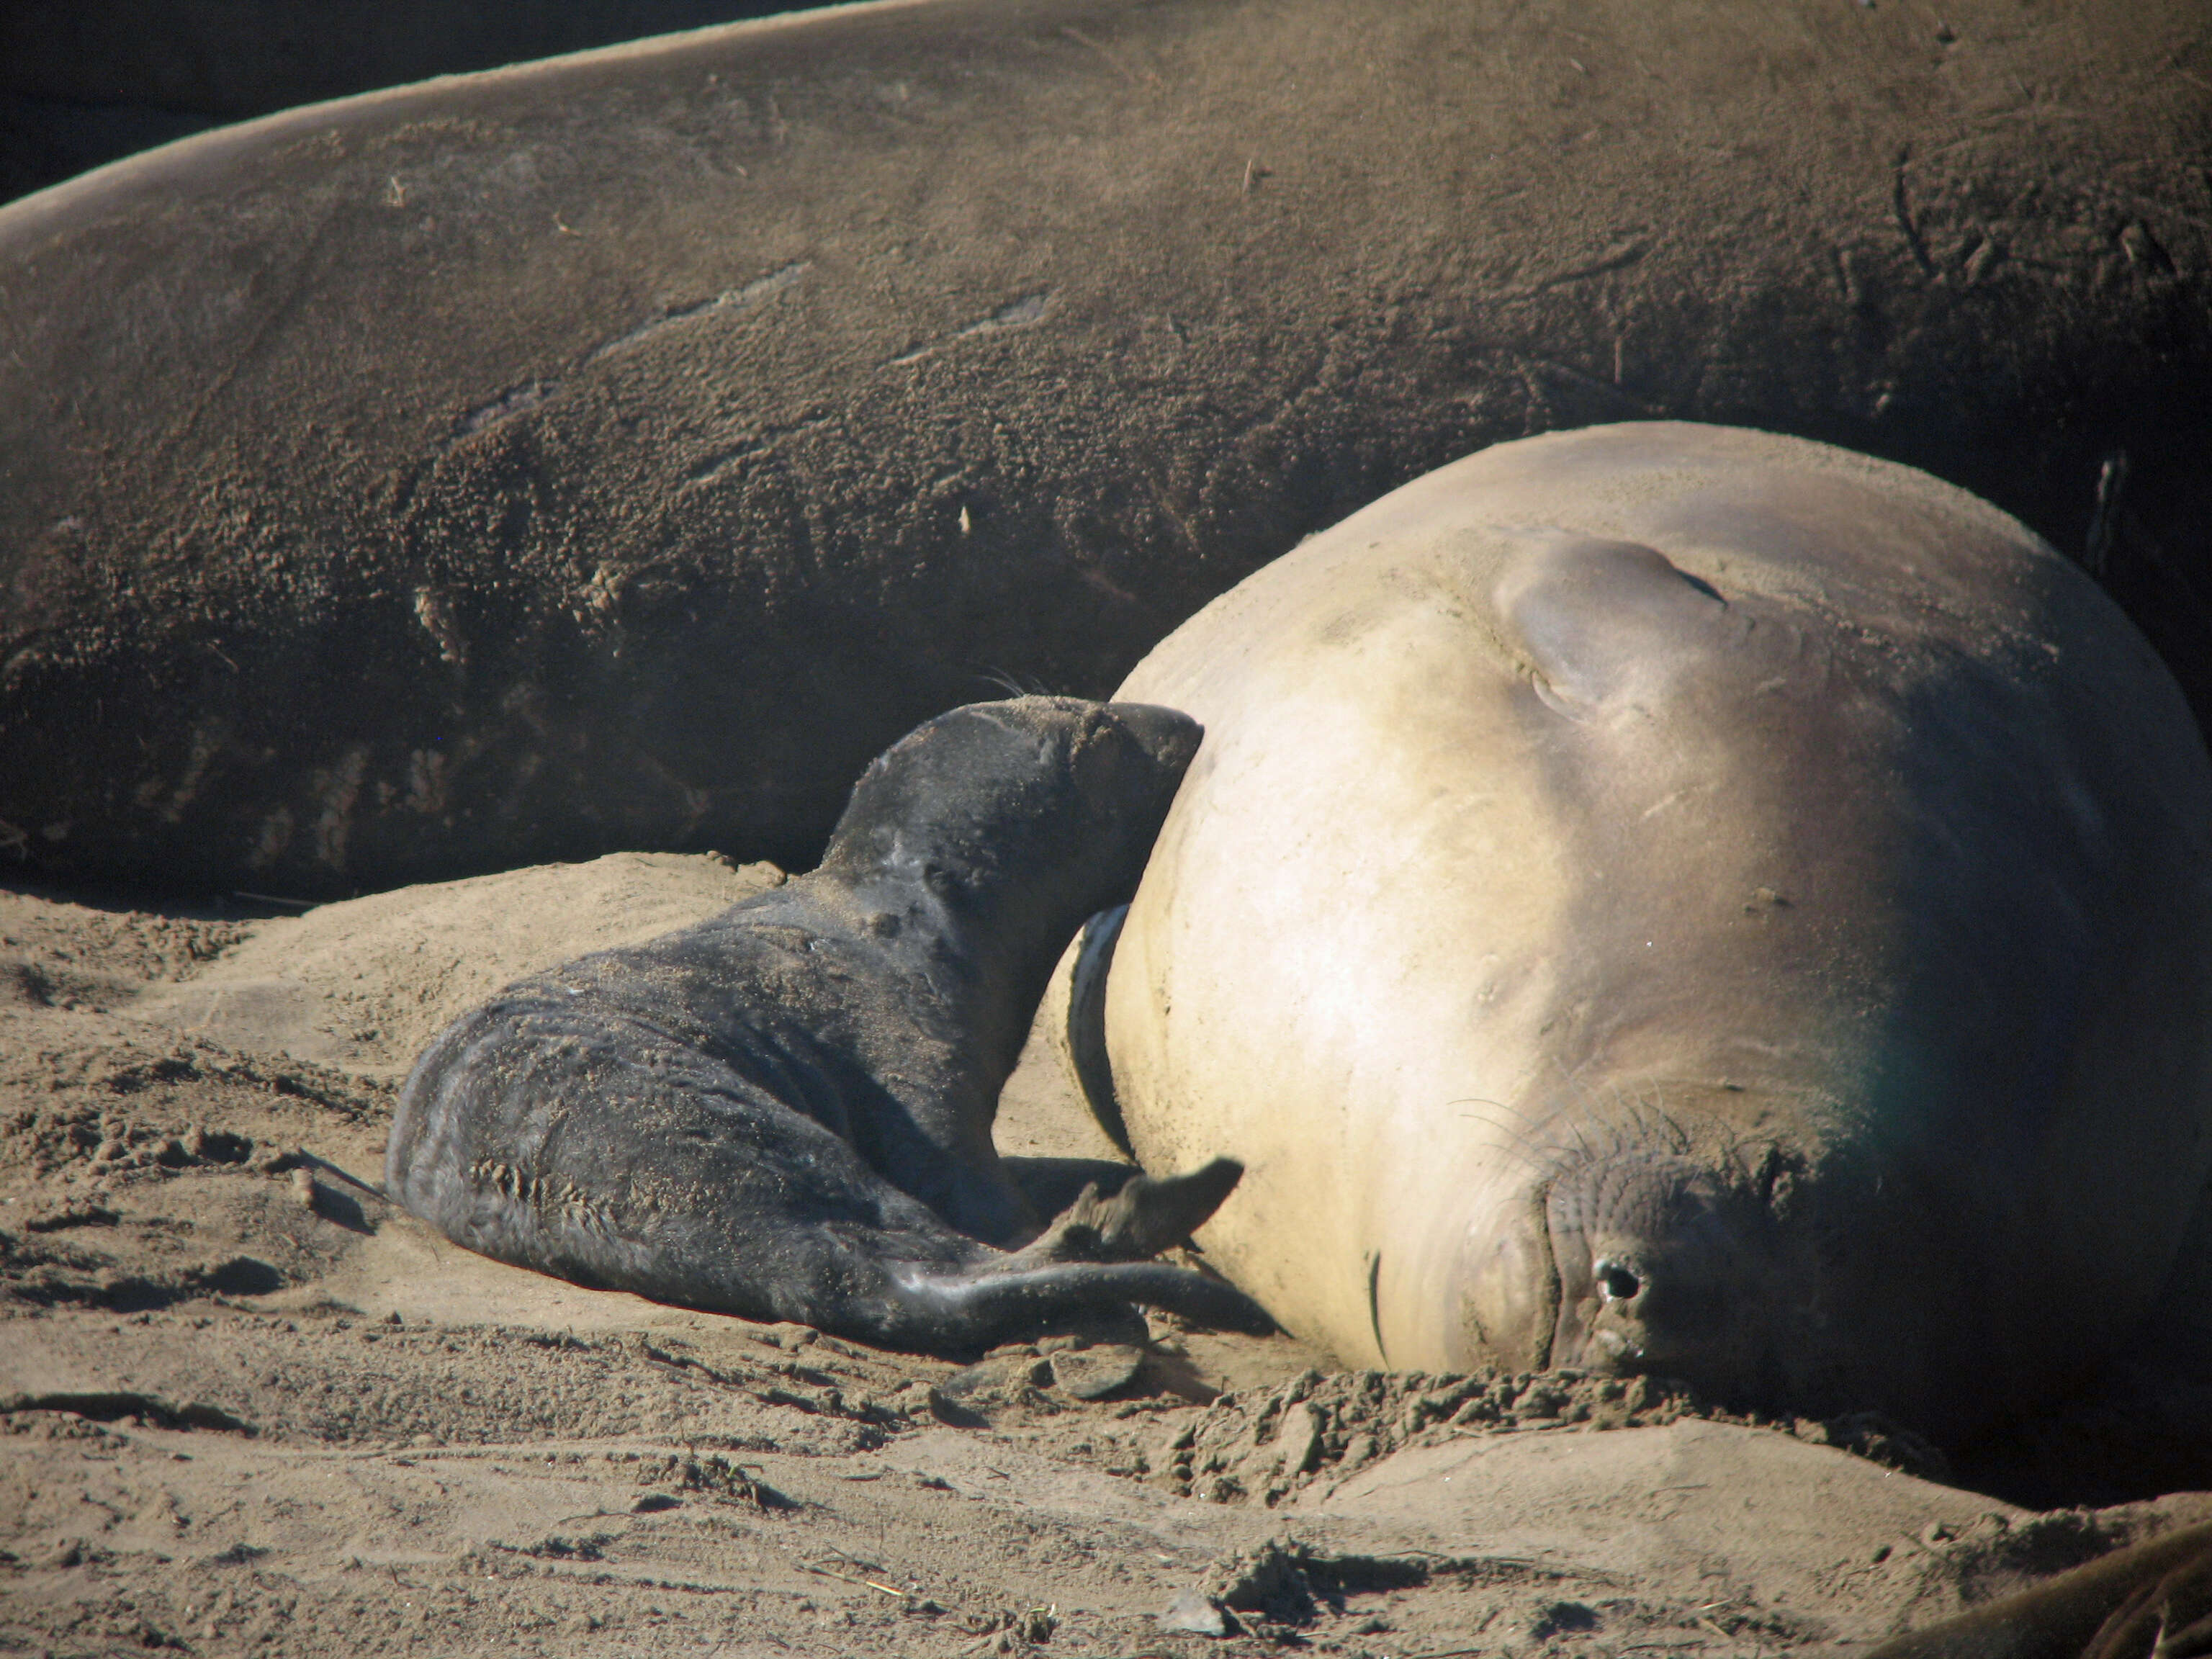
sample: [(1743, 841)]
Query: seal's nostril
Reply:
[(1615, 1283)]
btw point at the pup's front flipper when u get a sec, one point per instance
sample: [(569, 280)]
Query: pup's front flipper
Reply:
[(1146, 1216)]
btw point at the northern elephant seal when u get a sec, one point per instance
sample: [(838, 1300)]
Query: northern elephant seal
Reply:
[(1680, 898), (616, 452), (784, 1112)]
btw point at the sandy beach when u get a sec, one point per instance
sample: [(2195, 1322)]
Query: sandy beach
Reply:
[(250, 1406)]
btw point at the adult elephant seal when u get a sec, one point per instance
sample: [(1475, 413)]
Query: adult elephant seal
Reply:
[(618, 450), (1675, 898), (785, 1113)]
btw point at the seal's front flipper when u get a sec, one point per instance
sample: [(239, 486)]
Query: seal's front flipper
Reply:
[(1077, 995), (1146, 1217)]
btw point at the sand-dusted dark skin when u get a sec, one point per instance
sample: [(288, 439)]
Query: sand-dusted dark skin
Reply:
[(785, 1113), (620, 451), (2150, 1601)]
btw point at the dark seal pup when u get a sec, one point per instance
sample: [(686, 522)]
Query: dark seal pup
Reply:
[(785, 1113)]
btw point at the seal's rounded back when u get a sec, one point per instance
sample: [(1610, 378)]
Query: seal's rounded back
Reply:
[(1677, 897)]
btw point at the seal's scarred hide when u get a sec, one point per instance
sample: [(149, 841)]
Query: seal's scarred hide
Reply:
[(618, 450)]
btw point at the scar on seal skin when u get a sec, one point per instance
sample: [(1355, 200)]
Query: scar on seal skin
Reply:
[(785, 1113)]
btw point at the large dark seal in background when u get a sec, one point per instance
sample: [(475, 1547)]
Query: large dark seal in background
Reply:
[(785, 1113), (618, 450), (1677, 899)]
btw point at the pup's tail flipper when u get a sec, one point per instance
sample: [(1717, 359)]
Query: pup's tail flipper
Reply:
[(1094, 1255), (994, 1304)]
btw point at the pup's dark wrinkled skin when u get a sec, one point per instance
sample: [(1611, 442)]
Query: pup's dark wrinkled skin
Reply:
[(785, 1113)]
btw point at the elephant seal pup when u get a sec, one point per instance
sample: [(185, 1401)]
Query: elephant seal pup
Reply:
[(1671, 898), (785, 1113)]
